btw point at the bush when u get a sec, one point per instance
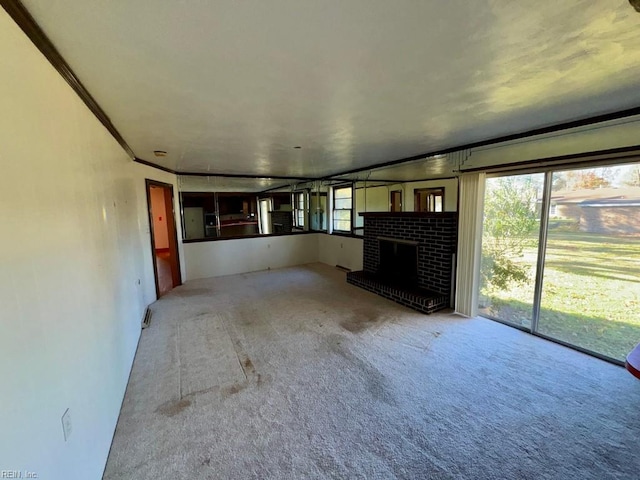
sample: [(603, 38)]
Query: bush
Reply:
[(509, 221)]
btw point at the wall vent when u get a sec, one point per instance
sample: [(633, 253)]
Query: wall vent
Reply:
[(146, 320)]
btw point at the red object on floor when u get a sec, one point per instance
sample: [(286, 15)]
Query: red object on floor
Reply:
[(633, 361)]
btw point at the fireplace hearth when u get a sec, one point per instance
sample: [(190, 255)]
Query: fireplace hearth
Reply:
[(409, 258)]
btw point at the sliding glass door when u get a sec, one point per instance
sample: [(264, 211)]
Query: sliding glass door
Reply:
[(511, 229), (591, 286), (565, 264)]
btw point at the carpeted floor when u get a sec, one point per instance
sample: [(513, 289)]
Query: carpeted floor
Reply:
[(294, 373)]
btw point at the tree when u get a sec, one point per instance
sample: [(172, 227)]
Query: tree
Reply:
[(588, 179), (509, 220), (559, 183), (632, 177)]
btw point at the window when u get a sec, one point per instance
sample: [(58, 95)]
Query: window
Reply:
[(429, 199), (571, 276), (299, 210), (342, 208), (209, 215)]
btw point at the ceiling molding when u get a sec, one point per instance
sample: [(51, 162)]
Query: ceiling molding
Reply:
[(244, 175), (395, 182), (273, 189), (153, 165), (382, 183), (630, 112), (26, 22)]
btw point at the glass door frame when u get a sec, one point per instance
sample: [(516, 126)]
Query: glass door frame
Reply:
[(542, 250), (548, 171)]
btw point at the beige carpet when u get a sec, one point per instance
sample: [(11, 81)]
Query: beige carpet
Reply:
[(294, 373)]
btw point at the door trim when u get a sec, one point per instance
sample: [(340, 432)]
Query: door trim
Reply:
[(391, 200), (148, 184)]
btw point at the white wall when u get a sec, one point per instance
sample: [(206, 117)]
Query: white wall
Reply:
[(338, 250), (378, 199), (74, 243), (228, 257)]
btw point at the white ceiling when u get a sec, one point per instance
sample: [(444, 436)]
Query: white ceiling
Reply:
[(231, 86)]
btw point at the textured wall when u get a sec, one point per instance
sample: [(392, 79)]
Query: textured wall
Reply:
[(75, 269)]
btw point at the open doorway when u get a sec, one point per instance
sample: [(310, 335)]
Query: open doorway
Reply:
[(428, 199), (164, 241), (396, 201)]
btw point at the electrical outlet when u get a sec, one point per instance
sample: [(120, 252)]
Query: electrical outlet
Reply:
[(66, 424)]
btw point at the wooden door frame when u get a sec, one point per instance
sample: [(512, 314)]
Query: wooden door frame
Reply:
[(418, 191), (391, 200), (148, 184)]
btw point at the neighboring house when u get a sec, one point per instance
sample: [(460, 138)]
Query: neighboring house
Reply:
[(602, 210)]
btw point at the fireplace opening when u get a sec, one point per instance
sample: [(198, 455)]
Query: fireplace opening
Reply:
[(398, 262)]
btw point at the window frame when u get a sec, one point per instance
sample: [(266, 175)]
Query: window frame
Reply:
[(334, 209), (542, 260), (300, 196)]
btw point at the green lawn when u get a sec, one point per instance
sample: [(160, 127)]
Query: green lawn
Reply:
[(591, 292)]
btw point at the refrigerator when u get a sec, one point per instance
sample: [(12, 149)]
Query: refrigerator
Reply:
[(193, 222)]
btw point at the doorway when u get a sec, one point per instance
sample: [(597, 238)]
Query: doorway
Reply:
[(396, 201), (164, 241), (428, 199)]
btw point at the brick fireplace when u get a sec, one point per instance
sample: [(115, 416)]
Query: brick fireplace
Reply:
[(408, 258)]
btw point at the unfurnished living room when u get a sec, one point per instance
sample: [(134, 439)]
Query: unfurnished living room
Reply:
[(295, 239)]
